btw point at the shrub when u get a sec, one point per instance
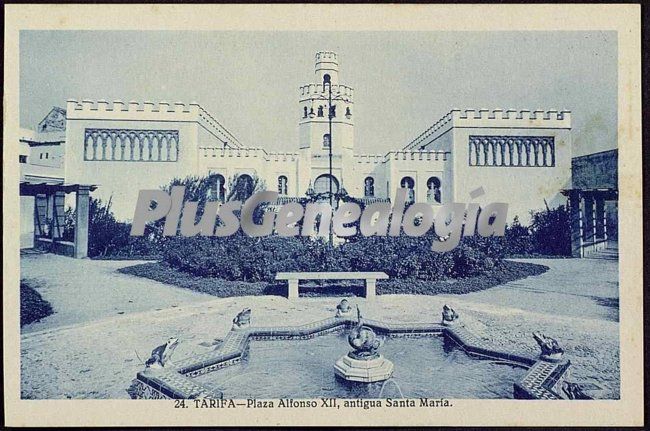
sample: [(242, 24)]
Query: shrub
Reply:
[(108, 237), (508, 271), (551, 231), (240, 257), (518, 240), (549, 234), (32, 305), (162, 272)]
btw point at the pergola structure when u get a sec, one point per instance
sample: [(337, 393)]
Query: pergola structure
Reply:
[(49, 216), (588, 218)]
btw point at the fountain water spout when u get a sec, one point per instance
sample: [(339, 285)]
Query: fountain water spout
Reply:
[(391, 380)]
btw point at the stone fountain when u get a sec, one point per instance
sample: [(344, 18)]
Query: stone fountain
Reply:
[(363, 363), (546, 376)]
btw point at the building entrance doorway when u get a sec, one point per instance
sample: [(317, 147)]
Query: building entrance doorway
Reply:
[(322, 184)]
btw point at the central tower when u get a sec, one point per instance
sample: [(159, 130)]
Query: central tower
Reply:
[(314, 137)]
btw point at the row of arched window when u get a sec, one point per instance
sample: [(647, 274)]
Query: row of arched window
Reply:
[(434, 184), (131, 145), (217, 186), (511, 151), (434, 193), (320, 111)]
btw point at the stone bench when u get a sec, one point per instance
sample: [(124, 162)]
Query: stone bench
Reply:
[(294, 277)]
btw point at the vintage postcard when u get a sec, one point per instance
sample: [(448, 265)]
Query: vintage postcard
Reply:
[(322, 215)]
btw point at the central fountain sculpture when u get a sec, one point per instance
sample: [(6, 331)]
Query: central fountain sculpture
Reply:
[(363, 363)]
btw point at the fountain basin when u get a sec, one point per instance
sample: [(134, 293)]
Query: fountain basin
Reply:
[(429, 366), (365, 371), (305, 371)]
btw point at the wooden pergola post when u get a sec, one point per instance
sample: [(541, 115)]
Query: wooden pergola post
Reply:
[(81, 222), (58, 215), (575, 217)]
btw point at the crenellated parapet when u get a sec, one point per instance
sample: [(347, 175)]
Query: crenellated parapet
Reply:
[(326, 56), (231, 152), (79, 109), (552, 115), (370, 158), (494, 118), (87, 109), (250, 152), (406, 155), (319, 90), (420, 155), (282, 157)]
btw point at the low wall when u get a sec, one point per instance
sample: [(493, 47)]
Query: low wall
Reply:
[(64, 248)]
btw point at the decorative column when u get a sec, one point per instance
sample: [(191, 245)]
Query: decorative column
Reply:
[(81, 223)]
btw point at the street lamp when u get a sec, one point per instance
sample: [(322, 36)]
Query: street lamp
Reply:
[(327, 80)]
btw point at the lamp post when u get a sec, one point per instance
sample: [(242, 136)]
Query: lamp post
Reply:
[(327, 80)]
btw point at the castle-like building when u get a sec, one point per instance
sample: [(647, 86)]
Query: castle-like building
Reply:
[(519, 157)]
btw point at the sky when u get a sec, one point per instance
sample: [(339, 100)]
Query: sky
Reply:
[(404, 81)]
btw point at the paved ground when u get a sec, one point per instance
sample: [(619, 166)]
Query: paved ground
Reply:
[(94, 354), (572, 287), (70, 285)]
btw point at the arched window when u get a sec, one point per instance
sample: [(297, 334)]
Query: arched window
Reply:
[(282, 185), (326, 140), (245, 185), (320, 110), (216, 187), (433, 190), (305, 112), (322, 184), (327, 79), (369, 187), (409, 183)]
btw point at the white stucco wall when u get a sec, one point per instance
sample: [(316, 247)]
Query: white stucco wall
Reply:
[(123, 179), (523, 188), (253, 161), (206, 146)]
